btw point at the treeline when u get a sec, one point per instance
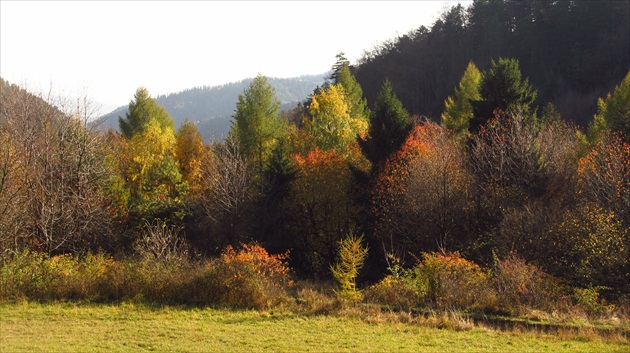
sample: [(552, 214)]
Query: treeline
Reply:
[(572, 51), (499, 178), (211, 108), (494, 180)]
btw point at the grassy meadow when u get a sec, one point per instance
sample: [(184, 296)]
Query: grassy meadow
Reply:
[(124, 327)]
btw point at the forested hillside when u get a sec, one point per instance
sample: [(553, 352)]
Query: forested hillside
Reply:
[(498, 206), (211, 108), (572, 52)]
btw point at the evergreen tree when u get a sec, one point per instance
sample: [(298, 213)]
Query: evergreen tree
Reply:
[(357, 105), (502, 88), (142, 110), (613, 113), (256, 121), (149, 176), (338, 66), (458, 108), (389, 126)]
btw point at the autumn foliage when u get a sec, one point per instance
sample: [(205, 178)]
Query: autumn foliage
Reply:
[(425, 180), (475, 218), (321, 200)]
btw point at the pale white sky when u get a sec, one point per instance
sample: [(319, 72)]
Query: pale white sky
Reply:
[(107, 49)]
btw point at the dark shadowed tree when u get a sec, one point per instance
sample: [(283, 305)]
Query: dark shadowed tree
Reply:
[(502, 88), (389, 126)]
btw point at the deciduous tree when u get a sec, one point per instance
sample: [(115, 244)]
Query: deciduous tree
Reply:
[(342, 75), (331, 124), (458, 108), (422, 195), (52, 175), (613, 112), (190, 154), (322, 207)]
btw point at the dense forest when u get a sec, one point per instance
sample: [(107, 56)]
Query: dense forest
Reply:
[(572, 52), (352, 184)]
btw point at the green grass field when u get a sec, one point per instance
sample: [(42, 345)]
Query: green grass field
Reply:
[(63, 327)]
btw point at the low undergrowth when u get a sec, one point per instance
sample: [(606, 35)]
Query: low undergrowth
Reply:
[(245, 278), (442, 291)]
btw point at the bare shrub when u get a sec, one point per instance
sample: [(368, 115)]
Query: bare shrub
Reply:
[(521, 285), (162, 242), (230, 187), (52, 174)]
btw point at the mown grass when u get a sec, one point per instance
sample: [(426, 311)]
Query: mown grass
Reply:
[(80, 327)]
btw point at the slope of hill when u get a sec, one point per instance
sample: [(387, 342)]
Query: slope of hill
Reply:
[(572, 52), (211, 108)]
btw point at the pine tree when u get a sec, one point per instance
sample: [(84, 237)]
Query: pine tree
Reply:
[(149, 172), (389, 126), (338, 66), (458, 108), (352, 254)]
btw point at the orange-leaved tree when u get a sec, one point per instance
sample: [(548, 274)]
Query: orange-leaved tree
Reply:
[(322, 207), (421, 197)]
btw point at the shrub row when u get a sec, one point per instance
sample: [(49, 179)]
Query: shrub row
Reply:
[(249, 277), (246, 278), (448, 281)]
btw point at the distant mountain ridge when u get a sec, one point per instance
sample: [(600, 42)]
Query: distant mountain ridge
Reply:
[(211, 108)]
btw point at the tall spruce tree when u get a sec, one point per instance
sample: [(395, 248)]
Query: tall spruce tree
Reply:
[(256, 121), (502, 88), (142, 110), (341, 62), (389, 126)]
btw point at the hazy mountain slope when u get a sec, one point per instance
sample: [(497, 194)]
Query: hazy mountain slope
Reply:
[(211, 108)]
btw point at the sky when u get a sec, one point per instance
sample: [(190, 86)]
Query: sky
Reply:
[(105, 50)]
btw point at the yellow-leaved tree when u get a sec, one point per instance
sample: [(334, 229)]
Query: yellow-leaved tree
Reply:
[(149, 175), (331, 124), (192, 155)]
